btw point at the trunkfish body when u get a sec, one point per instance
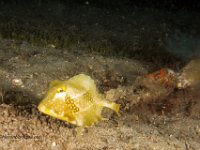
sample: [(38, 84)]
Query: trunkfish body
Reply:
[(76, 101)]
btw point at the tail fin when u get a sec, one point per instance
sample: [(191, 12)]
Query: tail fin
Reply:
[(115, 107)]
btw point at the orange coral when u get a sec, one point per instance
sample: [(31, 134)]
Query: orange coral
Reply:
[(165, 77)]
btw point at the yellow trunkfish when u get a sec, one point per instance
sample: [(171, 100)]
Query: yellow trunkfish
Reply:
[(76, 101)]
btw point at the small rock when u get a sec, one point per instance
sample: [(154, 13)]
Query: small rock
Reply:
[(17, 82)]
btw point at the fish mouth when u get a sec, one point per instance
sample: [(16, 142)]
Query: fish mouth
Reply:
[(41, 108)]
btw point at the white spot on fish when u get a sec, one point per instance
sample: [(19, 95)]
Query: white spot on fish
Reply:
[(60, 96)]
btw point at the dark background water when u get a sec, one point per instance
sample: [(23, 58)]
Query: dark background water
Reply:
[(121, 27), (186, 4)]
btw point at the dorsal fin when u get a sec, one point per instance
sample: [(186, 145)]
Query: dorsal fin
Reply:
[(83, 81)]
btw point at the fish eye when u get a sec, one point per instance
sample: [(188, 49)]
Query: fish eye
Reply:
[(60, 90)]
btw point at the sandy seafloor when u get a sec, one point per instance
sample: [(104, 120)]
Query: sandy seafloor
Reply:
[(23, 127), (27, 68)]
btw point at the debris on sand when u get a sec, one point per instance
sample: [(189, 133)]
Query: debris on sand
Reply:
[(159, 88)]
